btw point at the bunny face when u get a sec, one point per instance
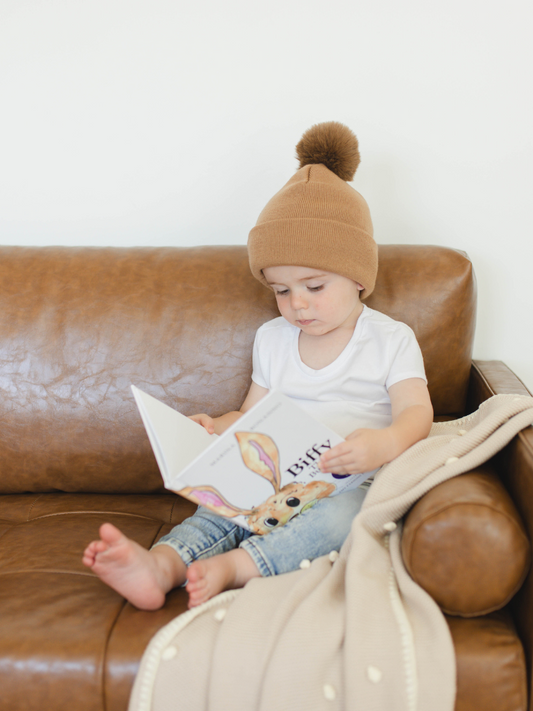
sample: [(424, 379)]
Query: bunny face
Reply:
[(260, 455), (290, 501)]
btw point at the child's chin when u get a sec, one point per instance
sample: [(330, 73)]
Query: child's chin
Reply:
[(312, 327), (315, 329)]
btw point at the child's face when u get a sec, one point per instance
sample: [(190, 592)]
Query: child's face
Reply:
[(314, 300)]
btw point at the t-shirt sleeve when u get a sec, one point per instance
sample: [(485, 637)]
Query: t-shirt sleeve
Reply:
[(259, 374), (406, 360)]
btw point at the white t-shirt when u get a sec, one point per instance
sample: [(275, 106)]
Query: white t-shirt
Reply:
[(351, 392)]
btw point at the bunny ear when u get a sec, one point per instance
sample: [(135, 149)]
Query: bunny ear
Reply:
[(212, 499), (260, 454)]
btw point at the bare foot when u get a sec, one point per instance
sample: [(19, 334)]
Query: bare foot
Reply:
[(143, 577), (210, 576)]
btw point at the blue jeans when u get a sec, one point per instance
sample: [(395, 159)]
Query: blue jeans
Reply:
[(316, 532)]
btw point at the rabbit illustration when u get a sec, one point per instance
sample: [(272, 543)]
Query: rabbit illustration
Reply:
[(260, 454)]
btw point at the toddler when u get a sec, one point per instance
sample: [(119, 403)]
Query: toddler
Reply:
[(351, 367)]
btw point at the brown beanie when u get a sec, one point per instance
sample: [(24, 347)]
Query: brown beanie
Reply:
[(316, 220)]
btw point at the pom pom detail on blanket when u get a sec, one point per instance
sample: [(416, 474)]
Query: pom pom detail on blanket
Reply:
[(349, 632)]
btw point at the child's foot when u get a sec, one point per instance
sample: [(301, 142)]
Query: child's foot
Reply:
[(142, 577), (210, 576)]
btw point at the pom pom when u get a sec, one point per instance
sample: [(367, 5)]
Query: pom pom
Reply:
[(333, 145)]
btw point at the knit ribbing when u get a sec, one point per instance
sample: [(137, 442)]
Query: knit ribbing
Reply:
[(352, 633), (316, 220)]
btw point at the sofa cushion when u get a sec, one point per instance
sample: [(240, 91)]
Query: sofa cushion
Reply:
[(491, 666), (465, 544), (66, 635)]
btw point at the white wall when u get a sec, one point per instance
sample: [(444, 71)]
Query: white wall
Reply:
[(159, 122)]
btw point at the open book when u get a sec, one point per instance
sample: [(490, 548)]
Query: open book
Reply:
[(261, 472)]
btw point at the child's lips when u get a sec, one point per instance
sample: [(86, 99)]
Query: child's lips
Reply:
[(305, 322)]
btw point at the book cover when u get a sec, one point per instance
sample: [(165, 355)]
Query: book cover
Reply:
[(261, 472)]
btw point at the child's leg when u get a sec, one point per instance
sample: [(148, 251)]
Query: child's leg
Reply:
[(221, 555), (210, 576), (209, 545), (142, 577), (322, 529), (318, 531)]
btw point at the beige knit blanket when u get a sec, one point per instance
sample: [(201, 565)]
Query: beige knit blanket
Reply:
[(353, 633)]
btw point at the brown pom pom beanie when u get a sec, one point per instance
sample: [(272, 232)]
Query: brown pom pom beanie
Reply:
[(316, 220)]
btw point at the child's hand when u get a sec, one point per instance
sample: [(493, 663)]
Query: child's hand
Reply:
[(207, 422), (363, 451)]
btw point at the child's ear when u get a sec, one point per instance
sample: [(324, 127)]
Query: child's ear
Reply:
[(359, 286)]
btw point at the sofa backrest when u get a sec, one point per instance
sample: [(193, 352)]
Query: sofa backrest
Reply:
[(79, 325), (433, 290)]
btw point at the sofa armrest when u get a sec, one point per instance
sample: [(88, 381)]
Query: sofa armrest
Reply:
[(491, 377), (463, 542), (515, 468), (514, 465)]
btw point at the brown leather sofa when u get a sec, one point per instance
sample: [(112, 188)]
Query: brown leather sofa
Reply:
[(77, 326)]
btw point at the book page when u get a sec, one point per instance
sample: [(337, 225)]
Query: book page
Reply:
[(175, 439), (245, 472), (274, 445)]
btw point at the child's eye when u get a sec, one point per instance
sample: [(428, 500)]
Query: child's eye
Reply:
[(316, 288), (284, 292)]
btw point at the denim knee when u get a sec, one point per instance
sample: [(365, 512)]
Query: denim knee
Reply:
[(203, 535), (316, 532)]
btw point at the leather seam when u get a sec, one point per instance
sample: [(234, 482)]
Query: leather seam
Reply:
[(156, 534), (484, 380), (95, 513), (172, 509), (33, 504)]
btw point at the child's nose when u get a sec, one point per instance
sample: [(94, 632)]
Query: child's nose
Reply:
[(298, 301)]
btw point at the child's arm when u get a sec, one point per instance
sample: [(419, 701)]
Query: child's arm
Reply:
[(367, 449), (219, 424)]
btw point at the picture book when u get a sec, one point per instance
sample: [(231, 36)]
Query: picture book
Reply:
[(261, 472)]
